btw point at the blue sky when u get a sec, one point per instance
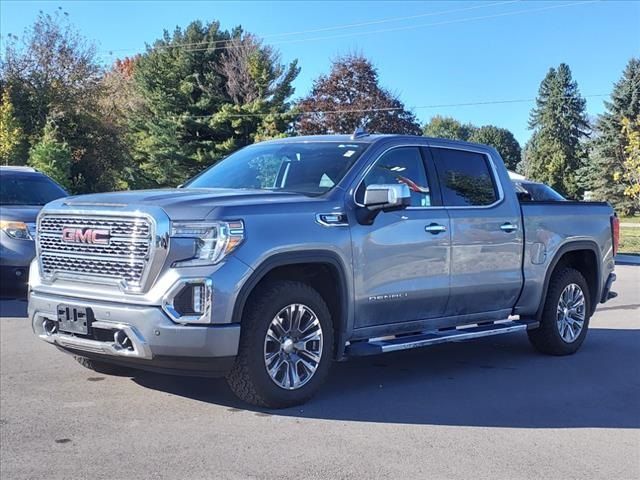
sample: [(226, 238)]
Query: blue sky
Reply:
[(446, 53)]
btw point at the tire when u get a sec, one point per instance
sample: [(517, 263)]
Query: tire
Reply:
[(280, 302), (551, 336), (102, 367)]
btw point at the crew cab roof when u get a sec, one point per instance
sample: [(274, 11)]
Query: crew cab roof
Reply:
[(374, 138)]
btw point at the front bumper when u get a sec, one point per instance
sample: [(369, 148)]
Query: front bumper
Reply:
[(15, 257), (156, 343)]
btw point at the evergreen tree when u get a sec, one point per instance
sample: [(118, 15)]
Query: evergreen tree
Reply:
[(350, 97), (52, 156), (502, 140), (203, 102), (556, 150), (603, 174)]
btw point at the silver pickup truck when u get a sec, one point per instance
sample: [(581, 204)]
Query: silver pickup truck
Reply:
[(293, 253)]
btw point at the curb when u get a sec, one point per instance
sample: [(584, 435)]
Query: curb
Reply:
[(627, 259)]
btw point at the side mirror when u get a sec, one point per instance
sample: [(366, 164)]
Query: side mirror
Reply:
[(383, 198)]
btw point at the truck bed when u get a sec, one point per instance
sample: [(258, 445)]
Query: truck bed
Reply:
[(548, 226)]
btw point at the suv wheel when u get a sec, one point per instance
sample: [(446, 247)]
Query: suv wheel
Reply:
[(286, 346), (565, 318)]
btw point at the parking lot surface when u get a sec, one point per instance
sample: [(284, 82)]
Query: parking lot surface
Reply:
[(491, 408)]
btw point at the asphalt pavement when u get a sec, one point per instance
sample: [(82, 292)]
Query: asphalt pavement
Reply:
[(491, 408)]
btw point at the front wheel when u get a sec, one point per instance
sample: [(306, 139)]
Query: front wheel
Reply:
[(565, 318), (286, 346)]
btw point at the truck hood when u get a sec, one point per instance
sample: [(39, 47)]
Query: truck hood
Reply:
[(182, 203)]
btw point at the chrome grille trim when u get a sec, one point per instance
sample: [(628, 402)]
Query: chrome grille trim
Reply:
[(129, 270), (134, 227), (132, 259), (136, 248)]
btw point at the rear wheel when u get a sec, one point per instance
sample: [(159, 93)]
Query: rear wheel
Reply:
[(565, 318), (286, 346)]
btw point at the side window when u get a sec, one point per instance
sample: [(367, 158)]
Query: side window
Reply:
[(465, 178), (400, 165)]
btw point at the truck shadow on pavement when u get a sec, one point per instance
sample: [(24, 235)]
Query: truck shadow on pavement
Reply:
[(13, 303), (499, 381)]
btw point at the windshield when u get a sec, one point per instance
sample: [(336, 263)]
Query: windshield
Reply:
[(311, 168), (34, 189), (541, 193)]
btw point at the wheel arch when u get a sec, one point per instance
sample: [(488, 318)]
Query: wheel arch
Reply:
[(304, 265), (572, 254)]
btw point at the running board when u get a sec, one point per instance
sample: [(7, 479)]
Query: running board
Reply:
[(425, 339)]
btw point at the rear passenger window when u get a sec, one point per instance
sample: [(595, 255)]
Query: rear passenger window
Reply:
[(465, 178), (400, 165)]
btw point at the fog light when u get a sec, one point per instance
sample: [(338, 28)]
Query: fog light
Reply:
[(189, 301)]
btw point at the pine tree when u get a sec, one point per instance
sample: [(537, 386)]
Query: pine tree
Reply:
[(350, 97), (606, 160), (52, 156), (556, 150), (200, 104)]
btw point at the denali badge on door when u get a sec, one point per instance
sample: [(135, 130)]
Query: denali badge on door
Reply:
[(74, 319)]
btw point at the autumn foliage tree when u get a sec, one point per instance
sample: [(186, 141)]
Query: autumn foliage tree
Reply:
[(350, 97), (54, 79)]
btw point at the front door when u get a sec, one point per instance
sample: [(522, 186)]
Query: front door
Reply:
[(401, 262)]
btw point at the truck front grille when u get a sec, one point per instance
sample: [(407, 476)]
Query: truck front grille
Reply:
[(120, 251)]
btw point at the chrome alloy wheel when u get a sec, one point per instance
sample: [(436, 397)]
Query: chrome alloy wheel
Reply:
[(293, 346), (571, 313)]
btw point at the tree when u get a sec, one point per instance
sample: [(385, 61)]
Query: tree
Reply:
[(556, 150), (604, 172), (200, 104), (54, 77), (499, 138), (350, 97), (52, 156), (51, 67), (448, 127), (10, 131), (631, 164), (502, 140)]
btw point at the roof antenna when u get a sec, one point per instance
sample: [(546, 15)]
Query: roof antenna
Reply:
[(358, 133)]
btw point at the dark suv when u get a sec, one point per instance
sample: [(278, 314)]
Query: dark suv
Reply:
[(23, 192)]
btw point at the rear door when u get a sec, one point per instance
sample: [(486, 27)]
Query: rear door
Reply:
[(486, 232), (401, 262)]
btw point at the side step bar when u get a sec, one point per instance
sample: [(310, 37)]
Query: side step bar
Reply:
[(425, 339)]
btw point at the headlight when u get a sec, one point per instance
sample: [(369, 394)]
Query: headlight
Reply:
[(214, 241), (18, 230)]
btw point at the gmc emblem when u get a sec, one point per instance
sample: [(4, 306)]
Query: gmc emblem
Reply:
[(85, 235)]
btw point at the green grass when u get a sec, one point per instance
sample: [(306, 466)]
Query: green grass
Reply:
[(634, 219), (629, 240)]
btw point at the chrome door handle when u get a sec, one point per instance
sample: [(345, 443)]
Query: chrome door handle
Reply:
[(435, 228), (508, 227)]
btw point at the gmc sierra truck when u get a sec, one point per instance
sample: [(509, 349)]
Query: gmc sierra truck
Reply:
[(293, 253)]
